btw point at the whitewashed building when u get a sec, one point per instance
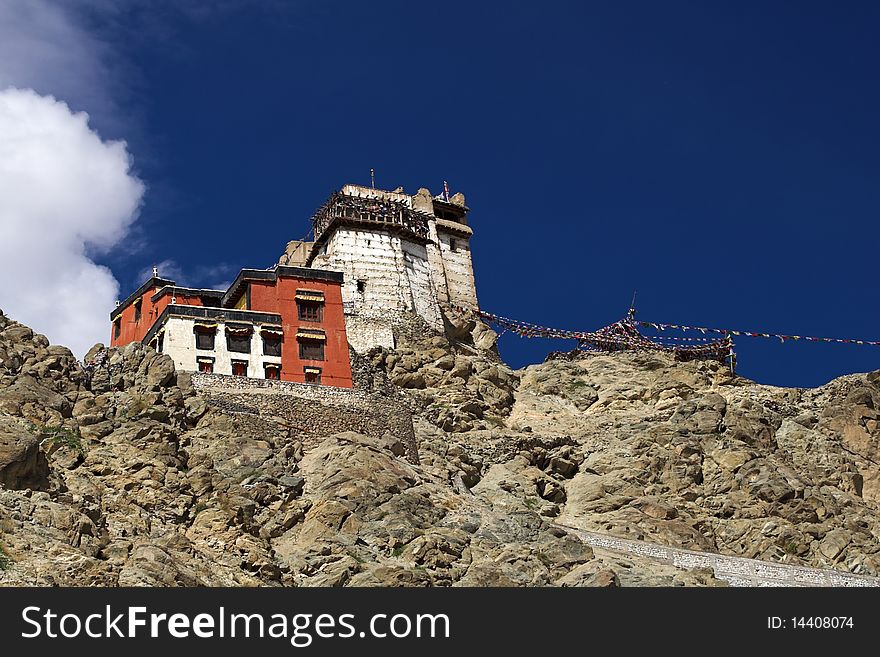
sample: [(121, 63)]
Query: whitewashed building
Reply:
[(399, 254)]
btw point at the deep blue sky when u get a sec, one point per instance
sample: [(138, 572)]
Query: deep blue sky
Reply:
[(720, 158)]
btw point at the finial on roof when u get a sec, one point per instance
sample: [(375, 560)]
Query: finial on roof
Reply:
[(117, 303), (155, 271)]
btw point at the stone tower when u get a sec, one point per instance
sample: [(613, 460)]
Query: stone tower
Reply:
[(401, 255)]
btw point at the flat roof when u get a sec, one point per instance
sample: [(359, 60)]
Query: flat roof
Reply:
[(284, 271), (153, 281), (166, 284), (188, 291)]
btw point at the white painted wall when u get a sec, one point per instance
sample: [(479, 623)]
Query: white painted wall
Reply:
[(399, 275), (180, 344), (458, 268), (365, 331), (395, 272)]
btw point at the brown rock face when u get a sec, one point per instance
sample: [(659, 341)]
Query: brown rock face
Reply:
[(22, 462), (122, 474)]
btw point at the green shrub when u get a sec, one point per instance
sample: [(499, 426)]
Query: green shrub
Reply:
[(5, 560), (62, 437)]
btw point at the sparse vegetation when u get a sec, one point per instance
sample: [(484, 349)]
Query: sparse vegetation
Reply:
[(5, 560), (57, 437)]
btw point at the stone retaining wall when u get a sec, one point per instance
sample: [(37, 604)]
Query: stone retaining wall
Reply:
[(313, 411), (737, 571)]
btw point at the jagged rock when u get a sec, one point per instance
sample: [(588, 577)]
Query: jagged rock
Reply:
[(22, 463), (120, 473)]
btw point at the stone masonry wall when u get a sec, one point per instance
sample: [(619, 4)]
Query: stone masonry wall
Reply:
[(458, 269), (393, 272), (315, 412), (736, 571), (367, 331), (395, 278)]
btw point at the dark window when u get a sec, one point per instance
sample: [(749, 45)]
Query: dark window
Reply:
[(312, 374), (362, 286), (310, 311), (205, 339), (160, 342), (311, 349), (206, 365), (239, 368), (273, 372), (137, 310), (452, 245), (117, 327), (271, 345), (238, 342)]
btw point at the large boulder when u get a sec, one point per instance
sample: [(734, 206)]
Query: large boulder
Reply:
[(22, 462)]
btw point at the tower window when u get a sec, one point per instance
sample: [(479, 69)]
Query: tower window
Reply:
[(311, 349), (273, 371), (206, 365), (310, 311), (361, 286), (239, 368), (312, 375), (137, 309), (205, 337), (238, 340), (452, 245), (117, 327), (271, 345)]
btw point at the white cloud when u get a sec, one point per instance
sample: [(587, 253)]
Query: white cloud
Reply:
[(63, 192), (44, 46)]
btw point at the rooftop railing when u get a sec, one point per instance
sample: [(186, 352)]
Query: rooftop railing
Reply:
[(343, 208)]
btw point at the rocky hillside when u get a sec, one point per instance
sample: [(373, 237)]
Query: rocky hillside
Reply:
[(123, 474)]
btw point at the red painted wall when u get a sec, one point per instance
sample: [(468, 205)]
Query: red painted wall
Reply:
[(280, 298), (131, 331)]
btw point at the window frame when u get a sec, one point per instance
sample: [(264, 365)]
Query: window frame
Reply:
[(317, 306), (238, 361), (206, 334), (273, 340), (306, 342), (271, 366), (230, 337), (317, 375)]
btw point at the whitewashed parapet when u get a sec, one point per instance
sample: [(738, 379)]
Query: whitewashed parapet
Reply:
[(736, 571)]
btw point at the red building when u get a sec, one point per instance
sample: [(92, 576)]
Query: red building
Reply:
[(284, 323)]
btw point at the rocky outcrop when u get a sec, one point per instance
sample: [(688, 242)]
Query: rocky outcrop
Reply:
[(120, 473), (452, 383), (686, 455)]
